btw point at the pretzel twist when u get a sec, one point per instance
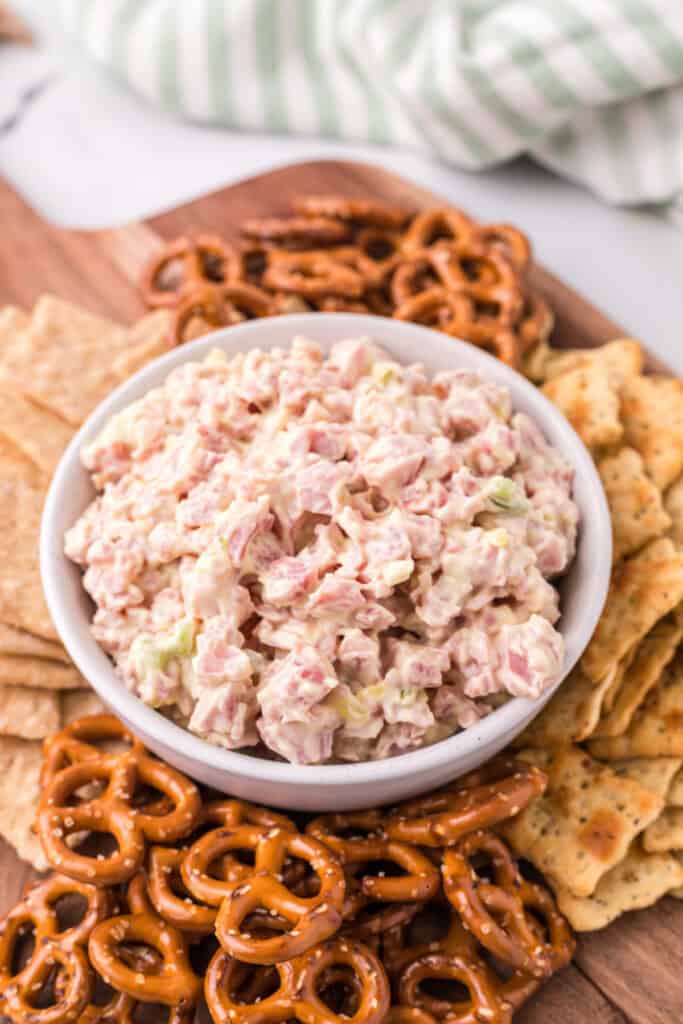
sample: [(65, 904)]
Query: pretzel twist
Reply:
[(202, 260), (499, 790), (297, 996), (312, 918), (313, 275)]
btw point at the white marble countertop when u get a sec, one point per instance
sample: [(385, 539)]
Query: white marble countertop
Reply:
[(86, 153)]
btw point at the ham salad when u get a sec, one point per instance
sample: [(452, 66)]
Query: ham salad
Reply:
[(326, 558)]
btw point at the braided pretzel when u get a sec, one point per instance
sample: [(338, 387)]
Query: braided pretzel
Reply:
[(313, 275), (499, 790), (421, 878), (313, 918), (437, 225), (203, 259), (218, 306), (297, 996), (294, 230), (495, 912), (362, 211), (113, 811), (172, 982), (53, 945)]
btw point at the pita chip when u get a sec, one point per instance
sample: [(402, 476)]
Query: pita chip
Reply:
[(638, 881), (643, 589), (584, 823), (635, 503)]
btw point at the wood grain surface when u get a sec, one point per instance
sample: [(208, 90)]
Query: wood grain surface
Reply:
[(629, 973)]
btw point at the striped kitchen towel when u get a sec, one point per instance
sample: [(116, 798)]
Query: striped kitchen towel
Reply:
[(590, 88)]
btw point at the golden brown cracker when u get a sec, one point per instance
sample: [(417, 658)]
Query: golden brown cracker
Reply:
[(149, 338), (635, 503), (22, 644), (29, 713), (20, 765), (652, 414)]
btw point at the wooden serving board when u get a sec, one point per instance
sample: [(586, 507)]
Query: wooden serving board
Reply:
[(629, 973)]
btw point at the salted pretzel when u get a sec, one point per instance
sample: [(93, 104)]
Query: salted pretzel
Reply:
[(401, 1014), (292, 230), (218, 306), (312, 918), (82, 740), (297, 996), (498, 790), (434, 928), (361, 211), (202, 259), (435, 307), (484, 1002), (313, 275), (170, 897), (165, 975), (113, 811), (54, 945), (441, 224), (420, 880), (495, 911)]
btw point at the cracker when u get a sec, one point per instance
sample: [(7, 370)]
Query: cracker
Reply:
[(572, 714), (29, 713), (675, 796), (20, 765), (640, 880), (666, 833), (673, 503), (149, 338), (38, 672), (63, 359), (643, 590), (635, 503), (22, 604), (77, 703), (38, 433), (652, 414), (584, 822), (589, 399), (621, 358), (656, 729), (23, 644), (12, 321), (651, 658), (655, 773)]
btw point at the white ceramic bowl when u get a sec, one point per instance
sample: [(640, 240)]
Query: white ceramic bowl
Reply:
[(327, 787)]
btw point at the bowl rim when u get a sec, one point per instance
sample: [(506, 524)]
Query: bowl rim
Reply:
[(88, 656)]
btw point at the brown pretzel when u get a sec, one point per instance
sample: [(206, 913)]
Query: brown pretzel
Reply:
[(499, 790), (172, 982), (203, 259), (312, 918), (81, 741), (413, 275), (218, 306), (408, 1015), (313, 275), (379, 253), (420, 880), (507, 240), (113, 811), (435, 307), (300, 980), (54, 944), (484, 1003), (433, 226), (434, 928), (361, 211), (496, 911), (171, 899), (536, 321), (293, 230), (502, 342)]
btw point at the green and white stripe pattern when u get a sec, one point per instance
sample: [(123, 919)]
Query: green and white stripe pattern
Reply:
[(591, 88)]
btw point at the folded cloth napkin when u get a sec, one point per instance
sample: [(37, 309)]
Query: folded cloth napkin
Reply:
[(590, 88)]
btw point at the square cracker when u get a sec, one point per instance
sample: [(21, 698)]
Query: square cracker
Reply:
[(652, 414), (63, 359), (638, 881), (12, 321), (621, 358), (584, 822), (666, 833), (635, 503), (655, 773), (19, 642), (20, 764), (78, 703), (651, 658), (149, 338), (40, 673), (643, 590), (22, 604), (38, 433), (590, 401), (656, 729), (673, 503), (571, 715), (29, 713)]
